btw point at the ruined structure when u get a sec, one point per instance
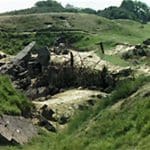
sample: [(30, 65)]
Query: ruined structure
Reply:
[(101, 46), (22, 56), (23, 60), (41, 74)]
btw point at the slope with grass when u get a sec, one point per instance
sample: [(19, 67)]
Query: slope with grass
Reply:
[(81, 30), (119, 121)]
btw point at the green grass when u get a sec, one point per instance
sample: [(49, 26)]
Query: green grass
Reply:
[(100, 128), (103, 128), (12, 43), (115, 60), (12, 102), (92, 30), (127, 87)]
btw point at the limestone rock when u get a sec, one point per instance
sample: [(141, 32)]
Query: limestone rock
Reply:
[(17, 129)]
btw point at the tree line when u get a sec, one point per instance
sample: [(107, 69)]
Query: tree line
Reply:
[(134, 10), (129, 9)]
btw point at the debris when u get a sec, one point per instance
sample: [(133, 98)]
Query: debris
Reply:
[(101, 47)]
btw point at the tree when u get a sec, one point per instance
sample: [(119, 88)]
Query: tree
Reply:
[(128, 5), (134, 10), (116, 13), (89, 11), (50, 5), (140, 10)]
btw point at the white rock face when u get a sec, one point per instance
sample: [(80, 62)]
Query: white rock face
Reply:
[(17, 129)]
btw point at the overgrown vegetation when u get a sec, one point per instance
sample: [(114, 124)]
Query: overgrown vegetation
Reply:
[(12, 102), (64, 77)]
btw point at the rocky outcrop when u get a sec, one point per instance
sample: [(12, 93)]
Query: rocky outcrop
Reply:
[(16, 129), (2, 55), (138, 51), (42, 75), (22, 57), (60, 108)]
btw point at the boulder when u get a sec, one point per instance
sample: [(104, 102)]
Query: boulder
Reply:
[(91, 102), (46, 124), (63, 119), (146, 42), (47, 113), (42, 92), (32, 93), (16, 129)]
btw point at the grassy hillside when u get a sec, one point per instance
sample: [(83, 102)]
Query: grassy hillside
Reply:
[(12, 102), (81, 30), (134, 10), (119, 121)]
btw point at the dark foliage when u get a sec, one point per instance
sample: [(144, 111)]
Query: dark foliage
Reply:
[(134, 10)]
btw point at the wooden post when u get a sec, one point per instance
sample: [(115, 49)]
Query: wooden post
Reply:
[(71, 60), (100, 44), (102, 47)]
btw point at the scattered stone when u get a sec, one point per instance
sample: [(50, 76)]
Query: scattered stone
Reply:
[(53, 90), (124, 72), (82, 107), (23, 74), (41, 99), (99, 96), (24, 83), (63, 119), (2, 55), (46, 124), (75, 106), (47, 113), (32, 93), (42, 91), (138, 51), (91, 102), (146, 42)]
